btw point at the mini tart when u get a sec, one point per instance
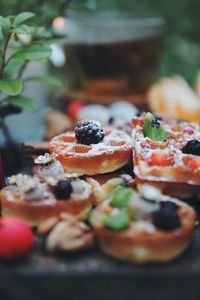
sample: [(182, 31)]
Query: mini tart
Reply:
[(39, 204), (139, 243), (176, 178), (110, 155)]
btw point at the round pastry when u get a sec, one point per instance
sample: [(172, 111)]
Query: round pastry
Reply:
[(132, 227), (29, 199), (90, 150)]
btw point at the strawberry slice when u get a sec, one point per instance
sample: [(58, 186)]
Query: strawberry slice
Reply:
[(194, 163), (160, 158)]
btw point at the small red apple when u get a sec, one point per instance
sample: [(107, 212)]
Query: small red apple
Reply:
[(16, 238)]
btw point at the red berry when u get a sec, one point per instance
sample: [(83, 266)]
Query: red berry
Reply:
[(73, 108), (160, 158), (16, 238)]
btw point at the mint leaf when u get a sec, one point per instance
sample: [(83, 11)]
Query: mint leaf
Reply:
[(121, 196), (23, 102), (19, 19), (11, 87), (152, 128), (118, 222)]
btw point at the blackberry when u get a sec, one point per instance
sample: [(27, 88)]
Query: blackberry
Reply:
[(192, 147), (63, 189), (89, 132), (166, 218)]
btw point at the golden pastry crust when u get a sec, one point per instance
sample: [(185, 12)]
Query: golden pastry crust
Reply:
[(139, 245), (112, 154)]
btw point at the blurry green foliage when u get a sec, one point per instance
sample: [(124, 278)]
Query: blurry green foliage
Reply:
[(181, 51), (45, 10)]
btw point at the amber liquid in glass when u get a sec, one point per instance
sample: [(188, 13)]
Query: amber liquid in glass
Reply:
[(119, 69)]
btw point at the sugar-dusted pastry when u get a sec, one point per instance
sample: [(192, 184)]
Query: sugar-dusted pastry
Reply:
[(143, 227), (27, 198), (167, 154), (90, 150)]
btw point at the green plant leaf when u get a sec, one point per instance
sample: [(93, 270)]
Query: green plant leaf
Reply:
[(21, 29), (47, 79), (13, 67), (23, 102), (1, 58), (4, 22), (11, 87), (35, 52), (153, 129), (23, 17)]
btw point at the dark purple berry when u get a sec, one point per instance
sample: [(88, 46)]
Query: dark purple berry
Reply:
[(166, 218), (63, 189), (192, 147), (89, 132)]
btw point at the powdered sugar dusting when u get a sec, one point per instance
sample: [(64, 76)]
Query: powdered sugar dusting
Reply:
[(113, 140), (24, 182)]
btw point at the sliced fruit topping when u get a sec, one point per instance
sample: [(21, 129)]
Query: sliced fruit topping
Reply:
[(63, 189), (192, 147), (89, 132), (152, 128), (166, 218), (119, 221), (194, 163), (160, 158), (121, 196)]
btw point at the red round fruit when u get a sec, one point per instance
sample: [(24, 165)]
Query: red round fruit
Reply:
[(73, 108), (16, 238)]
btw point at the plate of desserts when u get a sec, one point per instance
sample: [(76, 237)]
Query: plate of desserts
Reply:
[(114, 194), (127, 195)]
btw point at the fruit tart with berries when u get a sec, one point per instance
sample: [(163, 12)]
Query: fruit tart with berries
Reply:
[(167, 155), (143, 227), (34, 201)]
